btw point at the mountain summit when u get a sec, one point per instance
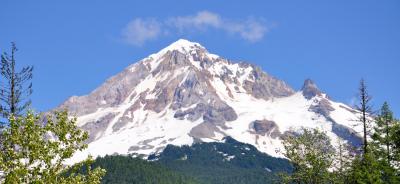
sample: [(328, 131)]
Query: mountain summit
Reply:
[(184, 94), (182, 46)]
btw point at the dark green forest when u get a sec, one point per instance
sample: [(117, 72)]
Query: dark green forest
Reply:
[(205, 163), (126, 169)]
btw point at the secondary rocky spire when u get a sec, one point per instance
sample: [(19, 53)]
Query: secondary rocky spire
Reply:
[(310, 89)]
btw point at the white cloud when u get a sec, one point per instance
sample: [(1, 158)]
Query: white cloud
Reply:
[(201, 20), (250, 30), (138, 31)]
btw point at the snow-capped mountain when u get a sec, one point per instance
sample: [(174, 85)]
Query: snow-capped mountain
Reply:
[(183, 94)]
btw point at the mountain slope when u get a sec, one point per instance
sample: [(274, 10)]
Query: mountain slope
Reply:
[(183, 94)]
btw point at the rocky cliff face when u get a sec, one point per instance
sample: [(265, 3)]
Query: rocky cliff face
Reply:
[(184, 94)]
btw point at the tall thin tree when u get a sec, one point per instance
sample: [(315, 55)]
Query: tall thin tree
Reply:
[(396, 143), (382, 132), (384, 144), (365, 109), (15, 86)]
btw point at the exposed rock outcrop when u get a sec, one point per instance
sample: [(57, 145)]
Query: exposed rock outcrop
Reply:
[(310, 89), (265, 127), (112, 93), (263, 86), (322, 107)]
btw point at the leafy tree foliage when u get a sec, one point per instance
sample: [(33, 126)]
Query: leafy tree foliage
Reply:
[(311, 155), (344, 156), (34, 152)]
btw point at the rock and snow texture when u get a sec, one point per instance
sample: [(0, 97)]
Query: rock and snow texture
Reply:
[(184, 94)]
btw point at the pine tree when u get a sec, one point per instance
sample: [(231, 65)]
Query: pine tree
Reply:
[(365, 109), (383, 144), (373, 165), (365, 169), (15, 86), (382, 133), (395, 136)]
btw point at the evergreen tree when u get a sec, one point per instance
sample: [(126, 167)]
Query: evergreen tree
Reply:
[(383, 140), (127, 169), (382, 133), (15, 86), (365, 169), (396, 145), (373, 165), (311, 155), (396, 140), (35, 150), (365, 109)]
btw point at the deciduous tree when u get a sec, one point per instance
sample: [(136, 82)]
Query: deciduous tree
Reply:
[(35, 150), (311, 154)]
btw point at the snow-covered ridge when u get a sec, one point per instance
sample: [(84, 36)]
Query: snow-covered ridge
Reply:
[(183, 94), (183, 46)]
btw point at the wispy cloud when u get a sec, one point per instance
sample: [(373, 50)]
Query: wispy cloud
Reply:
[(138, 31), (251, 30), (202, 20)]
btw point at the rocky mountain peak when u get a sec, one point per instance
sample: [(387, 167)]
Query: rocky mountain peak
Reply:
[(184, 94), (310, 89)]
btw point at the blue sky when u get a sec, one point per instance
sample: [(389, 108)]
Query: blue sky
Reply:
[(76, 45)]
